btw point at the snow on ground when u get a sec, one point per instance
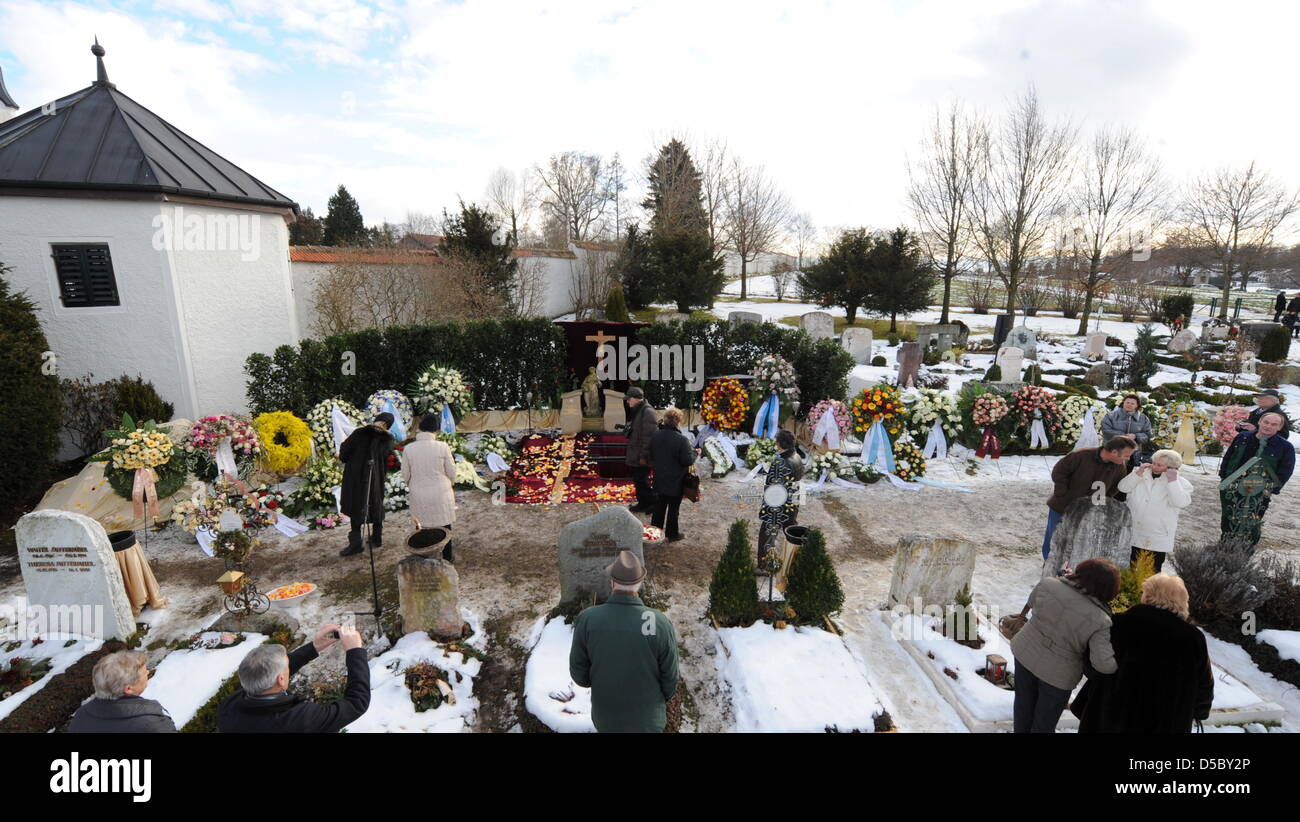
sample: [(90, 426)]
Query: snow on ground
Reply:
[(794, 680), (550, 694), (185, 680), (1236, 661), (391, 709), (1287, 643), (59, 652)]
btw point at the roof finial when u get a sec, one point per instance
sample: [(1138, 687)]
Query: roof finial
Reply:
[(101, 78)]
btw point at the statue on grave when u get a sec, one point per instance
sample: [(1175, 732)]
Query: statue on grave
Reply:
[(591, 394)]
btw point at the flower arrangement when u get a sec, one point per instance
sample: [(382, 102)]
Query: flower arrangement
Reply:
[(843, 419), (760, 452), (493, 444), (322, 426), (930, 405), (457, 443), (255, 509), (722, 464), (141, 447), (909, 462), (1073, 408), (772, 373), (286, 441), (1166, 429), (234, 547), (393, 462), (326, 522), (439, 386), (270, 499), (866, 473), (375, 405), (1031, 402), (878, 404), (467, 476), (989, 409), (725, 404), (834, 464), (206, 435), (1225, 423), (319, 478), (396, 494)]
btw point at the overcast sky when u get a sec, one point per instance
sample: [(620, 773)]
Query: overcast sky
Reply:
[(413, 104)]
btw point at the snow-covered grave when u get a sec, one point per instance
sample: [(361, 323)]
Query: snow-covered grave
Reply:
[(391, 709), (1287, 643), (550, 694), (988, 708), (186, 679), (795, 680), (61, 654)]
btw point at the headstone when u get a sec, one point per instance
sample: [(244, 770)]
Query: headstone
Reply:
[(963, 333), (1289, 375), (931, 571), (1182, 341), (1215, 330), (858, 384), (744, 317), (1001, 328), (669, 316), (1095, 346), (818, 324), (1089, 531), (615, 413), (571, 412), (428, 594), (1024, 339), (1100, 376), (1010, 361), (71, 575), (1248, 362), (1256, 332), (858, 342), (589, 545), (909, 363), (940, 336)]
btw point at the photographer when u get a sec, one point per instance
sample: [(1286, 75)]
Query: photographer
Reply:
[(264, 705), (641, 426)]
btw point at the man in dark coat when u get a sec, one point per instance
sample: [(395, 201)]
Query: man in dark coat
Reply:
[(627, 654), (641, 426), (1241, 517), (365, 453), (1074, 474), (671, 455), (118, 708), (263, 703), (1266, 401), (1279, 305)]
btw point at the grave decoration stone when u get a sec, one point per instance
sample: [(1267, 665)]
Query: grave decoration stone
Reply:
[(909, 363), (1024, 339), (615, 412), (589, 545), (1215, 329), (1001, 328), (1088, 531), (428, 594), (818, 324), (71, 575), (858, 342), (930, 572), (1256, 332), (1182, 341), (1100, 376), (1290, 375), (1095, 346), (736, 317), (1010, 362), (940, 336), (963, 333), (571, 412)]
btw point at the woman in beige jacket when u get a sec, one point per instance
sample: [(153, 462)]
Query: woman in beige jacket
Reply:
[(430, 474)]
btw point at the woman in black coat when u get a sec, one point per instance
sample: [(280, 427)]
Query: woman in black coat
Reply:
[(671, 455), (365, 451), (1164, 682)]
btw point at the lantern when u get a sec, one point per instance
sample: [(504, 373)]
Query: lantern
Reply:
[(232, 582), (995, 669)]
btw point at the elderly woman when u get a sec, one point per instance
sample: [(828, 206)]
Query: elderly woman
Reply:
[(430, 474), (671, 455), (1069, 623), (1164, 682), (120, 678), (1155, 495), (1128, 421)]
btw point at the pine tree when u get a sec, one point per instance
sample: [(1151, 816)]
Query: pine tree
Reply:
[(306, 230), (840, 277), (1143, 363), (685, 269), (31, 406), (898, 280), (615, 306), (733, 590), (469, 235), (343, 223), (634, 269), (813, 588), (674, 195)]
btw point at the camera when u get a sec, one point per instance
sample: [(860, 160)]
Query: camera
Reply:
[(620, 426)]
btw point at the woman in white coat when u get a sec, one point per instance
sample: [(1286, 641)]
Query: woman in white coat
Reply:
[(1155, 496), (430, 474)]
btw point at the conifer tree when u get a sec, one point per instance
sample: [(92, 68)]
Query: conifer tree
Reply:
[(31, 406), (343, 223), (813, 588), (616, 306), (686, 270), (733, 590)]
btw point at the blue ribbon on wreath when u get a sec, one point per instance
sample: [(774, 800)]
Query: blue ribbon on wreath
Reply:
[(767, 421), (448, 421)]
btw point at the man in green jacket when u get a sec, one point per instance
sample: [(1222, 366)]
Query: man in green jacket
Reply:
[(627, 654)]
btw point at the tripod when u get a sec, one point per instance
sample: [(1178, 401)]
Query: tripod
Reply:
[(368, 530)]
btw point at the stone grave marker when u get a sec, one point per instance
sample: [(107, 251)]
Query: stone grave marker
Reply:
[(909, 363), (858, 342), (1024, 339), (1182, 341), (744, 317), (669, 316), (932, 571), (1256, 332), (940, 336), (1010, 362), (818, 324), (571, 412), (1095, 347), (615, 413), (428, 593), (1001, 329), (71, 575), (1100, 376), (1088, 531), (589, 545)]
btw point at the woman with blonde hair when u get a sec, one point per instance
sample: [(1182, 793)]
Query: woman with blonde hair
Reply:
[(1164, 683), (672, 456), (1156, 494)]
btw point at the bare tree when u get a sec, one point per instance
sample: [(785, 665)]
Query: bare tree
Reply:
[(783, 277), (982, 288), (417, 222), (1235, 213), (1035, 290), (756, 212), (803, 232), (1022, 173), (615, 185), (530, 287), (1116, 206), (573, 191), (510, 199), (940, 191), (594, 274), (715, 169), (1180, 254)]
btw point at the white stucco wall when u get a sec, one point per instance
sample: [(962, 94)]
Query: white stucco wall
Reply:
[(305, 276)]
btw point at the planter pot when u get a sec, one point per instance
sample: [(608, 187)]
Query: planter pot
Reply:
[(427, 542)]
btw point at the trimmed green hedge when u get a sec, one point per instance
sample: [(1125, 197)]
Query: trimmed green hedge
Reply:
[(502, 359), (31, 405)]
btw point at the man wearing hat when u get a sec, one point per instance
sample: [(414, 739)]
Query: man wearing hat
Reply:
[(627, 654), (364, 454), (1267, 401), (641, 426)]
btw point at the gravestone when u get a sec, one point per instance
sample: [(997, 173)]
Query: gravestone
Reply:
[(571, 412), (1089, 531), (1024, 339), (589, 545), (71, 575), (428, 595), (1010, 362), (858, 342), (1256, 332), (1095, 346), (736, 317), (1289, 375), (909, 363), (1215, 330), (669, 316), (818, 324), (940, 336), (1100, 376), (932, 571), (1001, 328), (1182, 341), (615, 413), (963, 333)]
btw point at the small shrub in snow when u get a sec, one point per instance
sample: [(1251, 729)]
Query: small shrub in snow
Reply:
[(733, 590), (813, 588), (1223, 579)]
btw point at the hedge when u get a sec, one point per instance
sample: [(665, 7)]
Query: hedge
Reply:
[(31, 405), (733, 348), (502, 359)]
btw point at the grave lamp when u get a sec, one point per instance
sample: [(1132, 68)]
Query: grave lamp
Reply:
[(995, 669), (231, 582)]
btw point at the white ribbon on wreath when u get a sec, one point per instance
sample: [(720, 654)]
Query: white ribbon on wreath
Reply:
[(1038, 435), (225, 457), (936, 445), (342, 427), (827, 430), (1087, 433)]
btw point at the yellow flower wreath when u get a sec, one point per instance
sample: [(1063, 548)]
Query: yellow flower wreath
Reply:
[(287, 441)]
